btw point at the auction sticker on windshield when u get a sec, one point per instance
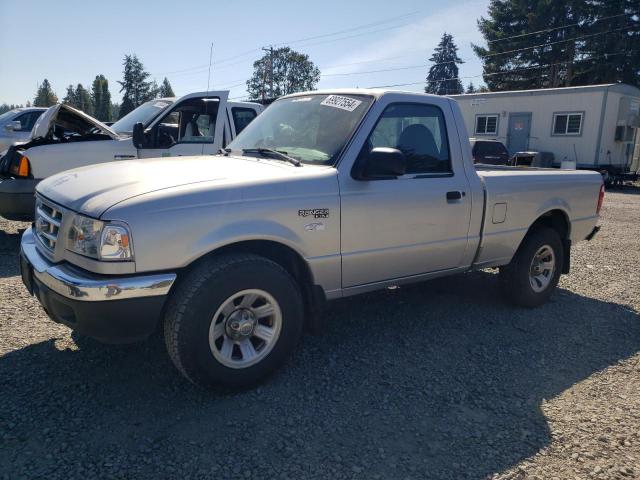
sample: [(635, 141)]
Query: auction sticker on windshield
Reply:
[(344, 103)]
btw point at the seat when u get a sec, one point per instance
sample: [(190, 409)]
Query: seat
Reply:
[(191, 130), (417, 141)]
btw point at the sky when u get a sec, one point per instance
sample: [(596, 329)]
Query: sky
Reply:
[(363, 43)]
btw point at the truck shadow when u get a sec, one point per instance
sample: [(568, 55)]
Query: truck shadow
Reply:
[(439, 380)]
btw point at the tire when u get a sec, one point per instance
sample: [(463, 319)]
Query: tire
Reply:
[(516, 278), (212, 351)]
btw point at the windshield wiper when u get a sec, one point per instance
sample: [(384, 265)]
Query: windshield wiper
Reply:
[(278, 153)]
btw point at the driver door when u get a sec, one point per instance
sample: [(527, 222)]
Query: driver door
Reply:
[(194, 126)]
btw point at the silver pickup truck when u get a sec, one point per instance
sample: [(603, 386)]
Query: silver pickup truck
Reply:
[(325, 195)]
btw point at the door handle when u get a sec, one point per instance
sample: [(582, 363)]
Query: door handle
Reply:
[(455, 195)]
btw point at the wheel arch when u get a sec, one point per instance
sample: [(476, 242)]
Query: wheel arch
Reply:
[(285, 256), (558, 220)]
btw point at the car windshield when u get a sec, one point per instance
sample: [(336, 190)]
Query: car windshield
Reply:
[(7, 115), (144, 114), (312, 128)]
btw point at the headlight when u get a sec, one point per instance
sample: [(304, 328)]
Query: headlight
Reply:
[(115, 243), (99, 240)]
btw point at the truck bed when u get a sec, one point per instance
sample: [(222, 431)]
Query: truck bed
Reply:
[(513, 202)]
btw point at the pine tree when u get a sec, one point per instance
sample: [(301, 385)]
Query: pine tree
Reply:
[(544, 44), (134, 85), (83, 100), (615, 55), (443, 74), (471, 88), (70, 97), (45, 97), (154, 90), (101, 98), (280, 72), (165, 89)]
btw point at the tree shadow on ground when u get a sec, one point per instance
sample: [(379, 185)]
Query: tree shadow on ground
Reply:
[(438, 380)]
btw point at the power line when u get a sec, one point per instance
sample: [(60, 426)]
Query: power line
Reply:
[(517, 70), (555, 43), (556, 28), (381, 22), (301, 40)]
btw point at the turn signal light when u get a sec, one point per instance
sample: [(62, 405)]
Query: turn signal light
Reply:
[(600, 199), (21, 168)]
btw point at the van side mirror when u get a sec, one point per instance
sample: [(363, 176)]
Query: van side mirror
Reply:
[(138, 135), (383, 163)]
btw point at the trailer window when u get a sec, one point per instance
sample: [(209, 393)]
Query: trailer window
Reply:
[(487, 125), (567, 123)]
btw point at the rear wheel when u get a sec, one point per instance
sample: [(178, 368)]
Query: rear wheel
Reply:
[(233, 320), (533, 274)]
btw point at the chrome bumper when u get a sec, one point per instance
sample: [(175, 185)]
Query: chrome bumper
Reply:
[(76, 284)]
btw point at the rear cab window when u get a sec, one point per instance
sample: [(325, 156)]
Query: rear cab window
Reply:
[(242, 116)]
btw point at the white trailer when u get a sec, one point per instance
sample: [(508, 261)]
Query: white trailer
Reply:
[(596, 126)]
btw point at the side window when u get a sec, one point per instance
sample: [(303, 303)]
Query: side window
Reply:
[(198, 128), (27, 120), (567, 123), (418, 131), (242, 117), (192, 121)]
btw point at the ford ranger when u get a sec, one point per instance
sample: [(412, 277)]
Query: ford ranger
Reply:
[(326, 194), (63, 138)]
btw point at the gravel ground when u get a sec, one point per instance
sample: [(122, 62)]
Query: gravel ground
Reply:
[(439, 380)]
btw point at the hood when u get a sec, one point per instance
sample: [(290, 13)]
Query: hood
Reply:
[(69, 118), (93, 189)]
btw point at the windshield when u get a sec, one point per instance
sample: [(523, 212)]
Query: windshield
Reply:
[(7, 115), (145, 113), (312, 128)]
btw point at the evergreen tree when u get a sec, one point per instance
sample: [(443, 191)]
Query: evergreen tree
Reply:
[(134, 85), (115, 111), (70, 97), (576, 42), (471, 88), (6, 107), (79, 98), (443, 74), (280, 72), (165, 89), (83, 100), (45, 97), (615, 55), (101, 98)]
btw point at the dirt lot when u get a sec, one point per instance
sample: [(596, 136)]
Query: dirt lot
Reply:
[(440, 380)]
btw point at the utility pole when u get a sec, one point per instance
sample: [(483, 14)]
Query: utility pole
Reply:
[(270, 50)]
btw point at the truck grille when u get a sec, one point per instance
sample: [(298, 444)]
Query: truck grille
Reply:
[(47, 224)]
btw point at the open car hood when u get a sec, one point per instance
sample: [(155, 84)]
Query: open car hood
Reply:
[(70, 119)]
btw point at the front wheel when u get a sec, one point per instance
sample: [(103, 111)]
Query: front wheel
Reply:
[(233, 320), (533, 274)]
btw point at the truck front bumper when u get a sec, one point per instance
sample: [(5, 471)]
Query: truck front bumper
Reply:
[(112, 309)]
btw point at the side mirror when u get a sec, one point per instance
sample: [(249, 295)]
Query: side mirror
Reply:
[(138, 135), (383, 162), (14, 126)]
